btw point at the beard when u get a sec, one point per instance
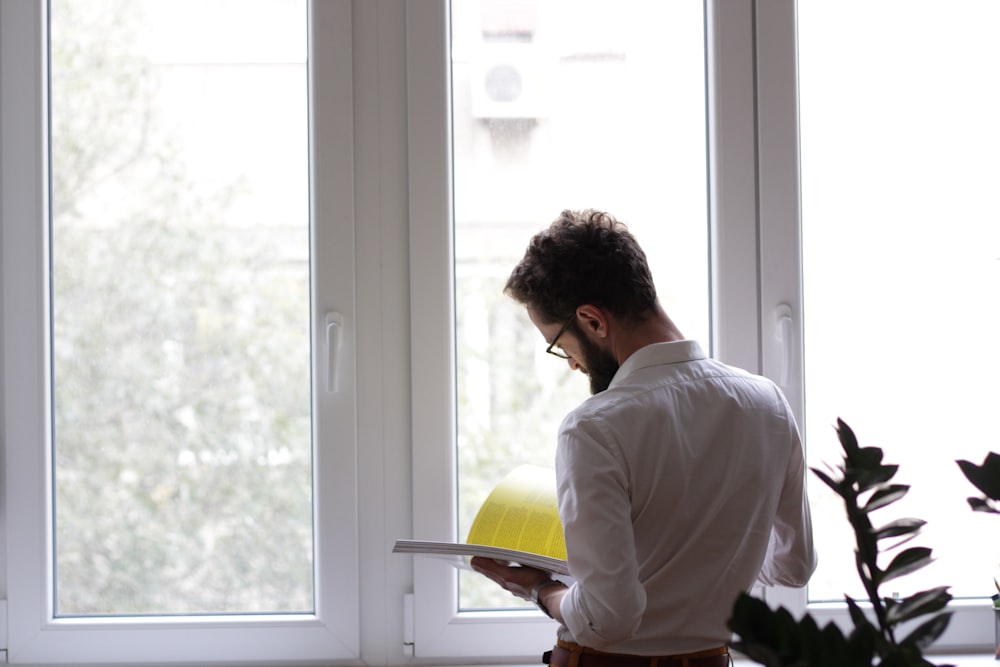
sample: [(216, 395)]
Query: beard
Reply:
[(601, 365)]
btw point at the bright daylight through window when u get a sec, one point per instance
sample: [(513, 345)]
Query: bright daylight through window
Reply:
[(901, 261), (182, 447), (531, 138)]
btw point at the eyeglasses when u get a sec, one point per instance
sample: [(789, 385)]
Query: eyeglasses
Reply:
[(551, 348)]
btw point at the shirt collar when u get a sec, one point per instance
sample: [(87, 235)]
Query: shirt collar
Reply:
[(658, 354)]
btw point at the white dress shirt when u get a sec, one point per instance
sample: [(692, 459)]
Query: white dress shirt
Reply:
[(679, 486)]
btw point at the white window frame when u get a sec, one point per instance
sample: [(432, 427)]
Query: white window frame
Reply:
[(34, 634), (441, 629), (756, 291), (972, 625), (774, 163)]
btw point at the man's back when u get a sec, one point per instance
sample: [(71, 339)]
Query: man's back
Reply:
[(670, 483)]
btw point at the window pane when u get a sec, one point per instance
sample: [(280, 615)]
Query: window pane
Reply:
[(557, 105), (901, 257), (180, 309)]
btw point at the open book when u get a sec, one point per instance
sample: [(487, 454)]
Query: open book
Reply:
[(518, 523)]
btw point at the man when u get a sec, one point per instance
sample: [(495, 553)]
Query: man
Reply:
[(680, 481)]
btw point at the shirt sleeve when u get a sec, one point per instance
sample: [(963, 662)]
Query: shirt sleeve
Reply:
[(791, 555), (606, 603)]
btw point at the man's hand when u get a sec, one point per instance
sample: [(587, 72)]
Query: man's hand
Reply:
[(520, 581), (516, 579)]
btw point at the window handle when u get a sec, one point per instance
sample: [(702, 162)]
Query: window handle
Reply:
[(783, 333), (334, 341)]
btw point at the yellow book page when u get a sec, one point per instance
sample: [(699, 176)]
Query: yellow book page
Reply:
[(522, 513)]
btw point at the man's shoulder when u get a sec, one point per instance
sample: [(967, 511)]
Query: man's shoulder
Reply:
[(666, 386)]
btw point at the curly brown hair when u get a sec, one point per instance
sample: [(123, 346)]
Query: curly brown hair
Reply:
[(584, 257)]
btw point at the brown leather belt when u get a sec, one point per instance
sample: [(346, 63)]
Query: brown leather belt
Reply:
[(567, 654)]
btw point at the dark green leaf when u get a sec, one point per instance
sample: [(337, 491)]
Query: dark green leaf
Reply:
[(770, 637), (827, 647), (836, 485), (924, 602), (986, 477), (865, 458), (885, 496), (846, 436), (981, 505), (862, 644), (905, 656), (872, 477), (900, 542), (899, 527), (928, 632), (907, 561), (857, 616)]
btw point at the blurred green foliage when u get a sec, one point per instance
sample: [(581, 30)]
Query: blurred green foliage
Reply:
[(182, 423), (776, 639)]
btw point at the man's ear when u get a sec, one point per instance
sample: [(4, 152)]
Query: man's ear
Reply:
[(593, 319)]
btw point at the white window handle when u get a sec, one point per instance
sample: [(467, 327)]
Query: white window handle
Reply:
[(783, 334), (334, 341)]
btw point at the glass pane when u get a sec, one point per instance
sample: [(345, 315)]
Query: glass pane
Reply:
[(180, 307), (901, 256), (563, 104)]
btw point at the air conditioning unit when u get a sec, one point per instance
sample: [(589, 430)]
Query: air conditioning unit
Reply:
[(510, 80)]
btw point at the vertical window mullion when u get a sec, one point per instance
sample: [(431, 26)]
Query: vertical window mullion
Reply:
[(25, 371), (733, 183), (780, 267)]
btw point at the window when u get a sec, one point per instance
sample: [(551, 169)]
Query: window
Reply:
[(180, 313), (158, 371), (756, 269), (386, 187), (636, 149), (506, 187), (901, 269)]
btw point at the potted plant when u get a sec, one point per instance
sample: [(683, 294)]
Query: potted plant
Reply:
[(986, 478), (773, 637)]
